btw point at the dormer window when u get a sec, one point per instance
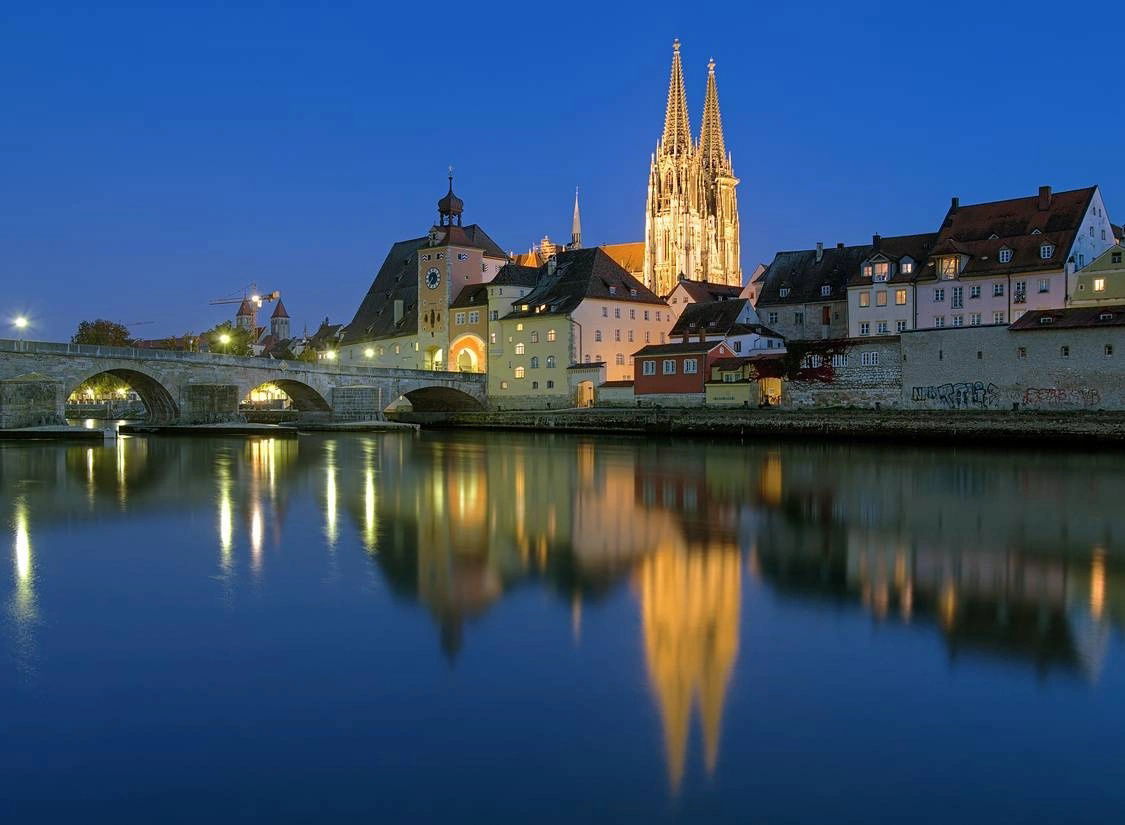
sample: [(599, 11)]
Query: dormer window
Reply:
[(1115, 257), (1036, 232), (1106, 316), (907, 266), (1046, 251), (633, 293), (826, 290), (949, 267), (1047, 319), (882, 270), (613, 290), (1005, 255), (784, 292), (867, 270)]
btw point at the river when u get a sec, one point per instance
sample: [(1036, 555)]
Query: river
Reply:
[(540, 628)]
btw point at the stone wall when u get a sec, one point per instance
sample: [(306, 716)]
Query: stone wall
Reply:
[(997, 368), (871, 376), (30, 401), (355, 404), (615, 396), (209, 403)]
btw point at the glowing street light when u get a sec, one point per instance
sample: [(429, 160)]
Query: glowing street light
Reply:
[(369, 353), (224, 339), (21, 322), (330, 355)]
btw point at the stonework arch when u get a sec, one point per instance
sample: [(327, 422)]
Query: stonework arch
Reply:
[(304, 397), (159, 401), (467, 350)]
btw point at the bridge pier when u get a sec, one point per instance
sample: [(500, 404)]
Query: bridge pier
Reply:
[(30, 401), (357, 403), (207, 404)]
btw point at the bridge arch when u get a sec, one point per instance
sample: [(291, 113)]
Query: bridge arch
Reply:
[(441, 399), (304, 397), (157, 398)]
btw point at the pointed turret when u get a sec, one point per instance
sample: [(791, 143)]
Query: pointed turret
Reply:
[(712, 147), (450, 207), (576, 225), (279, 310), (279, 322), (677, 127)]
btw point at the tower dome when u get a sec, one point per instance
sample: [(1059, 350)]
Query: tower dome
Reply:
[(450, 206)]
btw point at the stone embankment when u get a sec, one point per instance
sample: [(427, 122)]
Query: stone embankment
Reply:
[(952, 428)]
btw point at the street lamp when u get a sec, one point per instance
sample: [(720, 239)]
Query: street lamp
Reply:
[(330, 355), (20, 323), (224, 339), (369, 353)]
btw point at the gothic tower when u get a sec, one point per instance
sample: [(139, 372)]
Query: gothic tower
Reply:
[(691, 216)]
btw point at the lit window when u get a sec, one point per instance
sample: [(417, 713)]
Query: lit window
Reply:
[(949, 267), (882, 270), (550, 335), (900, 297), (881, 298), (867, 270), (492, 337), (1005, 255), (519, 327), (519, 372), (865, 299), (907, 267), (1099, 285), (503, 385), (519, 348)]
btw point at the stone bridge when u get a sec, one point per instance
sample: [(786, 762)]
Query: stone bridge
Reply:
[(37, 377)]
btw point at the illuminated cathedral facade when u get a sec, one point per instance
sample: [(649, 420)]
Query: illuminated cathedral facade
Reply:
[(691, 214)]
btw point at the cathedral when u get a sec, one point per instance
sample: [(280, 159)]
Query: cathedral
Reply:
[(691, 216)]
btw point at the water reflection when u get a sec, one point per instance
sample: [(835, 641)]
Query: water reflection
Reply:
[(1011, 558)]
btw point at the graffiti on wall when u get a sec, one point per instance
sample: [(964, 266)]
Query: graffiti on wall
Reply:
[(1082, 396), (963, 396)]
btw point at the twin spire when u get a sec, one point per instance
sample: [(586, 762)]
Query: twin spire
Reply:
[(677, 139)]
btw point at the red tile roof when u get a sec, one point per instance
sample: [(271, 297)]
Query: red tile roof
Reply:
[(1073, 318)]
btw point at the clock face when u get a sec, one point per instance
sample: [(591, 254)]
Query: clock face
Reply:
[(433, 278)]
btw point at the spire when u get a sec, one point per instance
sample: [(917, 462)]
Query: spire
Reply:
[(451, 206), (677, 127), (712, 147), (576, 225)]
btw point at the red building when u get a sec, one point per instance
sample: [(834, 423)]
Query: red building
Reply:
[(679, 371)]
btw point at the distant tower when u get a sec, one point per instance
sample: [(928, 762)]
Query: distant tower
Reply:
[(244, 318), (450, 207), (279, 322), (575, 226), (691, 215)]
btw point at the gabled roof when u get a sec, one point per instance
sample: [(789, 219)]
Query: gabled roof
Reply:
[(1105, 262), (801, 273), (580, 274), (515, 275), (472, 295), (688, 348), (895, 248), (279, 310), (1072, 318), (471, 236), (396, 280), (631, 256), (1020, 224), (712, 318), (245, 309), (706, 291)]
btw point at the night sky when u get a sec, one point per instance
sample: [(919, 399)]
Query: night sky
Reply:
[(153, 160)]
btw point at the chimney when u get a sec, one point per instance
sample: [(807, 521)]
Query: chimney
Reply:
[(839, 246), (398, 310), (819, 251), (875, 239), (954, 205), (1044, 198)]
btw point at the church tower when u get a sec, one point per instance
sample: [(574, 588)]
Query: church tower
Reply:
[(691, 215)]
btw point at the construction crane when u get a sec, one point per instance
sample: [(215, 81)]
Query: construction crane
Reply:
[(251, 294)]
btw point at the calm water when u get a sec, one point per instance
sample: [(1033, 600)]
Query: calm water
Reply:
[(460, 627)]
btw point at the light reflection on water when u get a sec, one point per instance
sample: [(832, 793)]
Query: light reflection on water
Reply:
[(690, 548)]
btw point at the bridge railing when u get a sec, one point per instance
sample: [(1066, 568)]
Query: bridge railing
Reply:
[(8, 345)]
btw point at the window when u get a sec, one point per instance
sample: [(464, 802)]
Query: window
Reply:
[(1005, 255), (974, 291), (1109, 350), (551, 335), (474, 317), (825, 316), (1020, 295), (974, 319), (939, 295), (459, 318), (826, 290), (519, 348), (597, 335), (900, 326), (1092, 231), (949, 267), (1115, 257), (669, 367), (773, 317), (632, 315), (730, 377), (881, 298), (736, 346), (1064, 351), (907, 267), (865, 328), (881, 328), (939, 321), (691, 366), (882, 270), (550, 385), (619, 360), (648, 368), (840, 360), (1021, 352), (867, 270), (958, 298), (646, 314), (1046, 251), (535, 385), (799, 318), (605, 312), (492, 337), (998, 289), (958, 320), (519, 327), (630, 336), (494, 315), (900, 297), (998, 317), (1044, 285), (865, 298), (396, 349), (869, 359), (648, 336), (617, 335), (1099, 285), (535, 362), (503, 385), (658, 315), (519, 372), (617, 312), (535, 337), (613, 290), (812, 362)]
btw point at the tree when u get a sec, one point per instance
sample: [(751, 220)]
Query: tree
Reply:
[(237, 339), (102, 333)]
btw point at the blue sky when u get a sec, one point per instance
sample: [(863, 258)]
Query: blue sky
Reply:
[(152, 160)]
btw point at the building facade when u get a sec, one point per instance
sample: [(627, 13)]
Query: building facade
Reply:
[(1102, 282), (691, 213), (881, 291)]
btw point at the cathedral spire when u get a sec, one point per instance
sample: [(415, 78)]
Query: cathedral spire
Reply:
[(677, 127), (576, 225), (712, 147)]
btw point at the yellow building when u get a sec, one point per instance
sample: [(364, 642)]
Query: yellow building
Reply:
[(1102, 282)]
